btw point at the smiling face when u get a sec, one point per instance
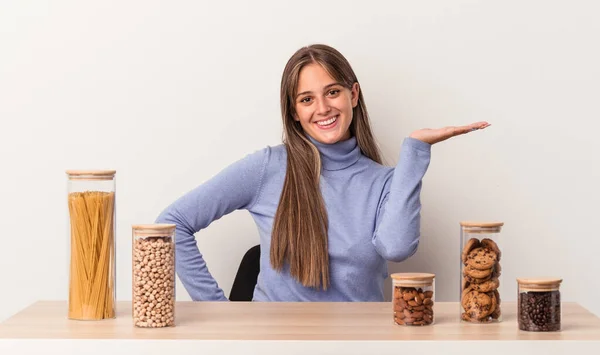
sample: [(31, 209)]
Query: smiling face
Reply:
[(324, 106)]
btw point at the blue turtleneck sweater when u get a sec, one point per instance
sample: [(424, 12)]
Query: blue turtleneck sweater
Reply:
[(373, 211)]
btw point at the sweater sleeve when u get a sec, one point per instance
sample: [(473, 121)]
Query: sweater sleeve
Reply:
[(397, 227), (235, 187)]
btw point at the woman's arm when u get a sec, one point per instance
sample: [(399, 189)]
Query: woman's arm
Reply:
[(398, 222), (236, 187), (398, 225)]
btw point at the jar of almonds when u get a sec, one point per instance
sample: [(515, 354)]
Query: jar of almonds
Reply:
[(153, 275), (413, 298)]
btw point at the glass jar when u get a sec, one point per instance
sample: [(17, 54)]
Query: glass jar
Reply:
[(92, 278), (480, 272), (538, 306), (153, 278), (413, 298)]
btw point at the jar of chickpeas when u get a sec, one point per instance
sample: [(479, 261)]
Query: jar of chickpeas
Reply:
[(154, 275)]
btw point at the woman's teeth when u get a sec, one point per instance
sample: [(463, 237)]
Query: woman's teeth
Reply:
[(328, 122)]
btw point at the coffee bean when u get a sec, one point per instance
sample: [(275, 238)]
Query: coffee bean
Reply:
[(539, 311)]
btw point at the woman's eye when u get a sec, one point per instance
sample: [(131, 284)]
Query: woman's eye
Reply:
[(305, 100), (333, 92)]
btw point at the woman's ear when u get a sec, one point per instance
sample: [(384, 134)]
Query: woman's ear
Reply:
[(355, 90)]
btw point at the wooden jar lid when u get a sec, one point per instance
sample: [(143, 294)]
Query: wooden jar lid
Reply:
[(481, 227), (153, 230), (481, 224), (539, 284), (91, 174), (413, 278)]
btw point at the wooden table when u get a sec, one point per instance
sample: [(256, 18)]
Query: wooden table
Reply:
[(289, 328)]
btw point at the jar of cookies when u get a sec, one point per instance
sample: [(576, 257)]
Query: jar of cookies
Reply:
[(480, 272), (538, 305), (153, 275), (92, 244), (413, 298)]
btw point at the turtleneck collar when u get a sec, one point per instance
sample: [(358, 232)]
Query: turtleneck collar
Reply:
[(339, 155)]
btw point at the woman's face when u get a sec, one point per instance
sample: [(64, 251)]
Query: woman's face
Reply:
[(323, 106)]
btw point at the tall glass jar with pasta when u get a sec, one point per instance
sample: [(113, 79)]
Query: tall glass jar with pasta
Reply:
[(91, 201)]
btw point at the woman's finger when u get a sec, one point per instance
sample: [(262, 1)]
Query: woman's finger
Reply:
[(458, 130), (473, 127), (455, 131), (479, 125), (432, 136)]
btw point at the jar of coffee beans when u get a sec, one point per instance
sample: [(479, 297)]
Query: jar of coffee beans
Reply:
[(413, 298), (153, 275), (538, 308)]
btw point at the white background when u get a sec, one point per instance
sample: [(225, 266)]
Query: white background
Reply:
[(169, 93)]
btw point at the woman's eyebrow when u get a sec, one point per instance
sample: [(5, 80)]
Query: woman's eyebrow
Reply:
[(324, 88)]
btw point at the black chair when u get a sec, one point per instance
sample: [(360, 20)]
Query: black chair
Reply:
[(247, 274)]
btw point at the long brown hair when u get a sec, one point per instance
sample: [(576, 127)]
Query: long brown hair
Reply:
[(300, 228)]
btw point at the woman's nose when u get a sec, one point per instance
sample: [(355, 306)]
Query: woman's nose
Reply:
[(323, 107)]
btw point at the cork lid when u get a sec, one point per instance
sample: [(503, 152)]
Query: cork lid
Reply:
[(539, 284), (153, 230), (413, 278), (91, 174), (481, 226)]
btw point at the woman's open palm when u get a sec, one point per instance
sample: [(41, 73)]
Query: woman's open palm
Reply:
[(433, 136)]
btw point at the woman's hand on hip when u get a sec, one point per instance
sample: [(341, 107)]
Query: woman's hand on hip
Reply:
[(433, 136)]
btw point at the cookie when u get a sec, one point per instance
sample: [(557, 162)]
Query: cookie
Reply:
[(474, 280), (495, 303), (497, 271), (471, 244), (479, 305), (497, 296), (497, 313), (476, 273), (464, 316), (465, 283), (482, 258), (491, 245), (490, 285), (463, 297), (487, 316)]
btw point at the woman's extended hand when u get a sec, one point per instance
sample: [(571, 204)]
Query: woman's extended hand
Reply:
[(433, 136)]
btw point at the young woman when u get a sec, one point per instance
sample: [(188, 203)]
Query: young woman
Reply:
[(328, 213)]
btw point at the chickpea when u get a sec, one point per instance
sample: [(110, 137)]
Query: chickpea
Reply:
[(154, 282)]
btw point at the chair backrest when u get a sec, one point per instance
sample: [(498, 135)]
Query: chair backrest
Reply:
[(247, 274)]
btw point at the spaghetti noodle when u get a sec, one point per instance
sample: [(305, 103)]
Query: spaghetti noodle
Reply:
[(91, 284)]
